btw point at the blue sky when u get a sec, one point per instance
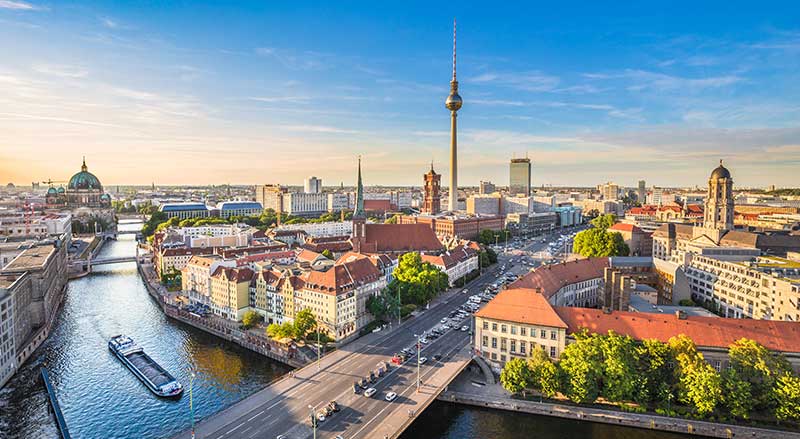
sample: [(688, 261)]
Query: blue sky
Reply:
[(263, 92)]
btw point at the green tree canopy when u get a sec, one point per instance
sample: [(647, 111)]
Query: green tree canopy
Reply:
[(699, 385), (417, 282), (515, 376), (582, 364), (787, 397), (597, 242), (304, 321), (544, 374), (250, 319), (737, 397), (759, 367)]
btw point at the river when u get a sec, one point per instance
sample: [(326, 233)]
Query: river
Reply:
[(102, 399)]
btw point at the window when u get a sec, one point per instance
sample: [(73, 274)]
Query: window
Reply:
[(503, 343), (494, 356), (485, 324), (522, 347), (494, 342), (513, 330), (503, 329), (485, 340), (522, 331), (503, 358), (553, 335), (494, 326), (513, 346), (543, 333), (552, 351)]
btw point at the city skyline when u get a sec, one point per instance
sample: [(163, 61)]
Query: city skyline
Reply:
[(158, 94)]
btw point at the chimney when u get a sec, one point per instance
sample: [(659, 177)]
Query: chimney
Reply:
[(681, 315)]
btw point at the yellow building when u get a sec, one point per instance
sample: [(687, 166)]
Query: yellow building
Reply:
[(516, 322), (230, 292)]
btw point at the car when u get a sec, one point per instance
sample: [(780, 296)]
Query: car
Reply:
[(444, 320), (369, 392), (422, 360), (339, 436), (391, 396), (464, 328), (321, 417), (437, 357), (280, 436), (334, 406)]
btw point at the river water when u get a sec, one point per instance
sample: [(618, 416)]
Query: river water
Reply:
[(101, 399)]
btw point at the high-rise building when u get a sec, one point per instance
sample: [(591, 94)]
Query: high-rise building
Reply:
[(487, 187), (270, 196), (312, 185), (453, 103), (431, 203), (610, 191), (719, 202), (641, 192), (519, 174)]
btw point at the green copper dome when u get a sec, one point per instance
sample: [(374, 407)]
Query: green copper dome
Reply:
[(84, 180), (52, 190)]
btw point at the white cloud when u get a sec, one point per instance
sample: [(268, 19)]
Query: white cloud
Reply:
[(276, 99), (533, 81), (109, 23), (64, 71), (19, 5), (498, 102), (319, 129)]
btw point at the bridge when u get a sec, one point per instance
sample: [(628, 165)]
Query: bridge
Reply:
[(284, 407), (82, 263), (113, 234)]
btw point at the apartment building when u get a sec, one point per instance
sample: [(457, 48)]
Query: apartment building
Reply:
[(230, 292), (456, 263), (762, 287), (514, 323)]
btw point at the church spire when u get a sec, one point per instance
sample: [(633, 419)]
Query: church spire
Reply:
[(359, 210), (83, 167)]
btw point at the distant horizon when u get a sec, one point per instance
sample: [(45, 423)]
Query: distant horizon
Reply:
[(593, 93)]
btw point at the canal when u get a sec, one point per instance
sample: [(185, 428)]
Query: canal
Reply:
[(102, 399)]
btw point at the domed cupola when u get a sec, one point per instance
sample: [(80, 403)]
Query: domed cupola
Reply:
[(84, 180)]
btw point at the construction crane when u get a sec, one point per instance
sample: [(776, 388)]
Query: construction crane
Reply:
[(50, 182)]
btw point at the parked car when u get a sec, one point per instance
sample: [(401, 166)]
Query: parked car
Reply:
[(391, 396), (369, 392)]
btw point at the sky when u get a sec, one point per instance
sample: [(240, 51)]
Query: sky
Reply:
[(195, 92)]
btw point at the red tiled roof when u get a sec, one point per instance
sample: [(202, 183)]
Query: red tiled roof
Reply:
[(451, 258), (521, 305), (308, 256), (550, 278), (377, 205), (401, 238), (624, 227), (352, 271), (705, 331), (242, 274), (182, 251)]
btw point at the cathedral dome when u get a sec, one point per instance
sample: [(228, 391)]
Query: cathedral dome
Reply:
[(720, 172), (84, 180), (52, 191)]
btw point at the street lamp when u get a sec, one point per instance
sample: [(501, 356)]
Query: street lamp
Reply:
[(418, 362), (313, 419), (191, 400)]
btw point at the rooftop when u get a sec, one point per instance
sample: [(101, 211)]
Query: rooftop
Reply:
[(550, 278), (31, 259), (523, 305)]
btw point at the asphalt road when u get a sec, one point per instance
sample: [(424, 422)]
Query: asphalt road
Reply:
[(286, 410)]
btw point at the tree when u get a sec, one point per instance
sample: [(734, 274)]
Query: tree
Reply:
[(597, 242), (737, 397), (619, 367), (304, 321), (699, 385), (787, 397), (277, 331), (486, 237), (603, 221), (544, 375), (656, 377), (416, 281), (756, 365), (491, 254), (581, 363), (515, 376), (250, 319), (327, 253)]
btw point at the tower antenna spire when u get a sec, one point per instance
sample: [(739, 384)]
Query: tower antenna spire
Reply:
[(454, 49)]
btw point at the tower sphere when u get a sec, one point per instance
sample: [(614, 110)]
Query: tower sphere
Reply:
[(453, 102)]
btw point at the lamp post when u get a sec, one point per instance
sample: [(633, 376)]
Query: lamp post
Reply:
[(191, 400), (418, 362), (319, 348), (313, 419)]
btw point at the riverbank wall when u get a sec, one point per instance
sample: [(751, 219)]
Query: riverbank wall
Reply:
[(635, 420), (260, 344)]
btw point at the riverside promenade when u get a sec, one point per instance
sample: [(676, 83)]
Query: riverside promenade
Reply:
[(469, 389), (255, 340)]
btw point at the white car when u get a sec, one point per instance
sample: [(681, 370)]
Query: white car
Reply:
[(369, 392), (391, 396), (321, 417), (422, 360), (464, 328)]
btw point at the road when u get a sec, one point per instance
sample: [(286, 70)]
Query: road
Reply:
[(283, 408)]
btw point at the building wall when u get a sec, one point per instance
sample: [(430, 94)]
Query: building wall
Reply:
[(8, 358), (498, 341), (295, 203)]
